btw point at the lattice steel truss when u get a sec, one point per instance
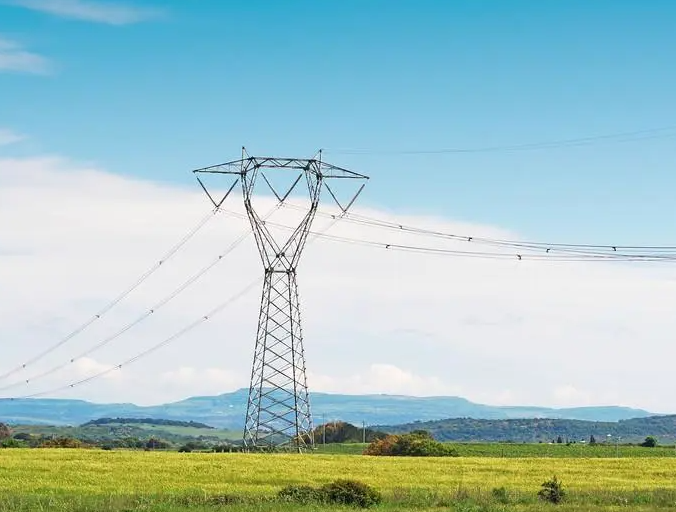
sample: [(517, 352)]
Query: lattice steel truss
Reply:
[(278, 409)]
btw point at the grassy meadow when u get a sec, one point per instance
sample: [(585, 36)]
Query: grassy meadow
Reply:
[(88, 480), (519, 450)]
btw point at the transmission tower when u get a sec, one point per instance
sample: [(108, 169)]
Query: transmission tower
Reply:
[(278, 408)]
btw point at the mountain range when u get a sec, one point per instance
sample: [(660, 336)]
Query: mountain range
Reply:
[(228, 410)]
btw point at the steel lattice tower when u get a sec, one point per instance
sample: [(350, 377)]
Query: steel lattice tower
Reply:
[(278, 409)]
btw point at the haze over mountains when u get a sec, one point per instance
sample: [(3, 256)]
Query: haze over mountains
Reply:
[(228, 410)]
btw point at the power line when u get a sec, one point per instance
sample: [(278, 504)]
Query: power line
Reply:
[(150, 350), (218, 309), (164, 259), (637, 135), (147, 314), (522, 255), (496, 255), (548, 247)]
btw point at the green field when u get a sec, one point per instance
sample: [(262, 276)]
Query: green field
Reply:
[(528, 450), (88, 480)]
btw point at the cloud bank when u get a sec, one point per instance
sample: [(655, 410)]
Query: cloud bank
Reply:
[(375, 321)]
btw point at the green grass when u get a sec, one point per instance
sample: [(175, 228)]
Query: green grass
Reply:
[(341, 448), (527, 450)]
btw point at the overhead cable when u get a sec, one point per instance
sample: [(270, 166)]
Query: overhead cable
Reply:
[(151, 311), (164, 259), (632, 136), (204, 318), (548, 247)]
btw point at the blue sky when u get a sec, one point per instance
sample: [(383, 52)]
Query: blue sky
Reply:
[(112, 92), (185, 84)]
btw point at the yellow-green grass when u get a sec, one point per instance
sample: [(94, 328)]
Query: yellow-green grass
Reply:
[(94, 472)]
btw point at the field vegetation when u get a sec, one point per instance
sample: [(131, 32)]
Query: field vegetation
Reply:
[(88, 480), (530, 450)]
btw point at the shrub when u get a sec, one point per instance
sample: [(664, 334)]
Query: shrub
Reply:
[(650, 442), (552, 491), (340, 492), (62, 442), (157, 444), (351, 492), (415, 444), (300, 494), (11, 443)]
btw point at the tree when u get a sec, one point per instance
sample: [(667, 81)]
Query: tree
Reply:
[(650, 442), (342, 432), (592, 439), (5, 431), (559, 440), (157, 444)]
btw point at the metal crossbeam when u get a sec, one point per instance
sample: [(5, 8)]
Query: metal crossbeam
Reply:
[(278, 409)]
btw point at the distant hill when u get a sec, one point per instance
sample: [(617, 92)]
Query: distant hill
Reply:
[(228, 410), (543, 430), (146, 421)]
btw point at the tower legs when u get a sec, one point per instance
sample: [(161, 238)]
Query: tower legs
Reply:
[(278, 409)]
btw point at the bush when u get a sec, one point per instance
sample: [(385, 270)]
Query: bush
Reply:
[(340, 492), (351, 492), (62, 442), (650, 442), (300, 494), (415, 444), (157, 444), (11, 443), (552, 491)]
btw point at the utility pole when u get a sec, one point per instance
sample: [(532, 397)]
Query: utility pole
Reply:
[(278, 408), (617, 446)]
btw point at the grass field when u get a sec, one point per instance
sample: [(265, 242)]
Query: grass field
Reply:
[(88, 480), (528, 450)]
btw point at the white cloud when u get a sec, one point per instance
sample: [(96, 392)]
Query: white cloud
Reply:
[(112, 13), (383, 378), (86, 366), (542, 333), (568, 395), (193, 381), (14, 57), (8, 137)]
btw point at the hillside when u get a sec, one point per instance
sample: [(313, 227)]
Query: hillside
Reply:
[(110, 431), (543, 430), (228, 410)]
